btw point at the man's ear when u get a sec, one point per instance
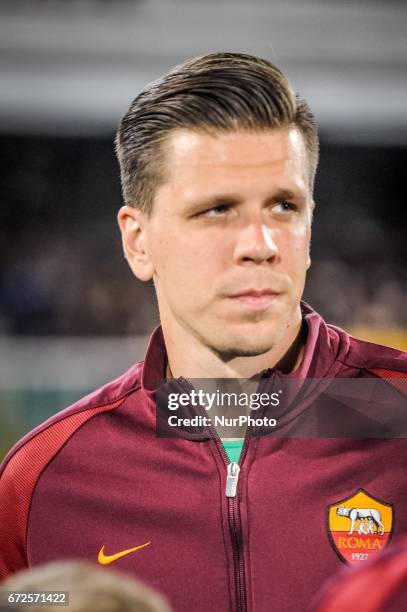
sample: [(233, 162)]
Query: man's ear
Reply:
[(132, 223)]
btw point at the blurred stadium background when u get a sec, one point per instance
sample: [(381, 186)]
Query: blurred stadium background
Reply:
[(71, 315)]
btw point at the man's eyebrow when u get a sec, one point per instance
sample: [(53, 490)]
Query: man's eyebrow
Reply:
[(280, 195), (216, 200)]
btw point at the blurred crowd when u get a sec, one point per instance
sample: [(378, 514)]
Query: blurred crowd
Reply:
[(62, 269), (72, 288), (357, 297)]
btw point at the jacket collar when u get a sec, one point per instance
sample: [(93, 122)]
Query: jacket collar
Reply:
[(324, 348)]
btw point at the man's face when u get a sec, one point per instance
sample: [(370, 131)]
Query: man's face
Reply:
[(228, 238)]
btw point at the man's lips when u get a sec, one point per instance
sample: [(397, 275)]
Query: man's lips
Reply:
[(255, 298)]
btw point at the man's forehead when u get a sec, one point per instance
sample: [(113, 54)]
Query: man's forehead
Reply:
[(244, 164), (240, 148)]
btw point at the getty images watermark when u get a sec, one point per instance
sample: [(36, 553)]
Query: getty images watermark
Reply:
[(281, 406), (221, 400)]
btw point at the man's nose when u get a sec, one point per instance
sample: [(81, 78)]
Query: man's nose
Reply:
[(255, 244)]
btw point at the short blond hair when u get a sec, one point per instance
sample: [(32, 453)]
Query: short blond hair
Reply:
[(91, 588)]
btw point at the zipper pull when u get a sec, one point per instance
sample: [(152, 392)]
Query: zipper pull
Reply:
[(231, 479)]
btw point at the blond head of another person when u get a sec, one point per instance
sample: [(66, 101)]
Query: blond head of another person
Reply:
[(91, 589)]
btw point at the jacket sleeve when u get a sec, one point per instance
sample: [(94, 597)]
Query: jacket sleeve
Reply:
[(20, 473), (15, 498), (394, 377)]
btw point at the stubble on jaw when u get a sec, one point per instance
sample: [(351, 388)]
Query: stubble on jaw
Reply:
[(227, 351), (240, 347)]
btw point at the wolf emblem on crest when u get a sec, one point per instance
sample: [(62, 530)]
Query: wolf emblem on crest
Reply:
[(371, 518)]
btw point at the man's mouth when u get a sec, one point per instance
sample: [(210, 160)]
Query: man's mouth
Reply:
[(256, 299)]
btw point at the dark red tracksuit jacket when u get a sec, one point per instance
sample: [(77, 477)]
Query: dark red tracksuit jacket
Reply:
[(96, 475)]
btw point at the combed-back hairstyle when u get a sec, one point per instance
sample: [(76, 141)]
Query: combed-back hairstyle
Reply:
[(219, 92)]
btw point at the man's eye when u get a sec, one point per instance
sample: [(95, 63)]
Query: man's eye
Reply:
[(286, 207), (216, 211)]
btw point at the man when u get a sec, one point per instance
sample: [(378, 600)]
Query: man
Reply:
[(218, 160)]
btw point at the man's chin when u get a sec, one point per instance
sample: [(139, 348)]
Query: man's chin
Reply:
[(242, 346), (227, 354), (244, 338)]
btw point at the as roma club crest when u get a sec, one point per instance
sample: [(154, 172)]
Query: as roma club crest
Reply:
[(360, 526)]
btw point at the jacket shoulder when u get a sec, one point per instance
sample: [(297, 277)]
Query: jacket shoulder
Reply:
[(379, 361), (26, 461), (371, 356), (106, 397)]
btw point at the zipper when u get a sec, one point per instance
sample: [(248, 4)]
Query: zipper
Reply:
[(232, 477), (235, 523)]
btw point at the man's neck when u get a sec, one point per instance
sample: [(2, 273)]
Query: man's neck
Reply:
[(197, 361)]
